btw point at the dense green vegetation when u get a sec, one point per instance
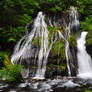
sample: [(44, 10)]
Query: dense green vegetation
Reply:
[(16, 14), (9, 72)]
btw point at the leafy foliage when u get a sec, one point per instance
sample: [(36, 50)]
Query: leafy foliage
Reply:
[(89, 38), (13, 73), (87, 24), (8, 71), (16, 14), (2, 58), (72, 40), (7, 61)]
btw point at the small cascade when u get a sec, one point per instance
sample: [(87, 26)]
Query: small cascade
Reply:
[(73, 17), (84, 60), (72, 26), (67, 52)]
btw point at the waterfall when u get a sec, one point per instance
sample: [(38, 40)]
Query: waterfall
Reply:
[(24, 51), (43, 50), (23, 48), (84, 60), (33, 49), (74, 27)]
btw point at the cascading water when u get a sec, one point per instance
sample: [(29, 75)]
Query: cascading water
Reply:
[(74, 22), (84, 60), (24, 49), (43, 34), (35, 47), (67, 52), (74, 26), (40, 74), (41, 51)]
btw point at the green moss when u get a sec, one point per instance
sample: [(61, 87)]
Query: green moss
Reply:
[(63, 56), (34, 43), (62, 29), (72, 40), (54, 69), (89, 38), (51, 29), (88, 90), (48, 71), (56, 46), (89, 43), (34, 67), (59, 47), (62, 67)]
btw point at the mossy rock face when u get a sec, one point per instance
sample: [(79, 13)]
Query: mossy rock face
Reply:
[(72, 40), (58, 49), (56, 61), (89, 43), (89, 50), (63, 68), (55, 70), (89, 38)]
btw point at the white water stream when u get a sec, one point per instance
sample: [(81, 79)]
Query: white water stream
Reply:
[(84, 60), (24, 51)]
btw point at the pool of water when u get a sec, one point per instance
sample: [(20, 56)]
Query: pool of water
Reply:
[(64, 84)]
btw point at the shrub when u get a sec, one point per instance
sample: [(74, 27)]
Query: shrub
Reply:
[(11, 74)]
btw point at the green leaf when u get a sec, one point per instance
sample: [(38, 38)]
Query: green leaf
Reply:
[(11, 39)]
